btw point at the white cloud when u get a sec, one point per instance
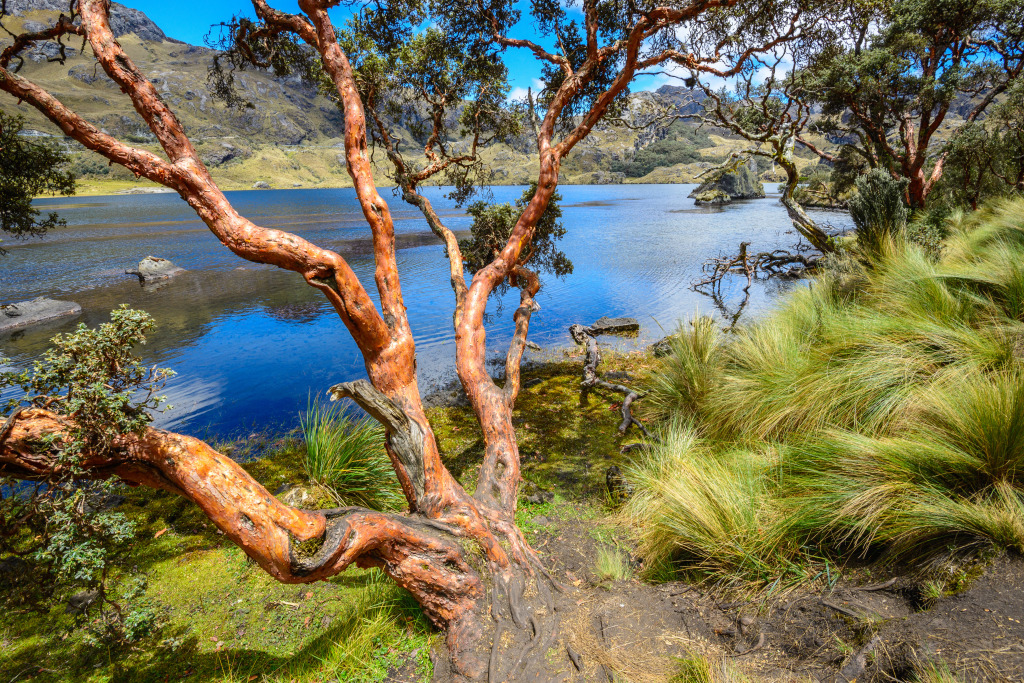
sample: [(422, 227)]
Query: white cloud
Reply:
[(518, 93)]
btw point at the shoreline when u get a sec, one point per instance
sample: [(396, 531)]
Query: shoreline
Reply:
[(128, 188)]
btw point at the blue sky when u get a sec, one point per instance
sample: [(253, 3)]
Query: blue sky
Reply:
[(190, 20)]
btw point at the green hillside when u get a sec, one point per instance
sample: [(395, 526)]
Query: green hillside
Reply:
[(291, 137)]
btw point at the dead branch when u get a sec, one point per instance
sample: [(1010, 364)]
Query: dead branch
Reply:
[(583, 336)]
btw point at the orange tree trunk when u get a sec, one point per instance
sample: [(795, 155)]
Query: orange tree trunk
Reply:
[(461, 556)]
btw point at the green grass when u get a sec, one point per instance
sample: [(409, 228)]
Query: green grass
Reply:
[(878, 413), (223, 619), (346, 457), (612, 565), (703, 669)]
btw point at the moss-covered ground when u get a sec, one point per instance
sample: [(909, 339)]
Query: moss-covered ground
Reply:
[(224, 620)]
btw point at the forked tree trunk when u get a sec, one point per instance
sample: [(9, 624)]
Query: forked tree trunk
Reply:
[(462, 557)]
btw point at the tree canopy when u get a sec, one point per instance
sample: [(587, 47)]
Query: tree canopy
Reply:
[(29, 167)]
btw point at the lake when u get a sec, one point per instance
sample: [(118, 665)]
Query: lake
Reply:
[(251, 343)]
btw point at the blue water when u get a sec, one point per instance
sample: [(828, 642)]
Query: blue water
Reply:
[(250, 343)]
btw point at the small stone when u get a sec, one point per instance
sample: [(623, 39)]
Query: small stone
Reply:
[(261, 185), (154, 268), (79, 602), (606, 325)]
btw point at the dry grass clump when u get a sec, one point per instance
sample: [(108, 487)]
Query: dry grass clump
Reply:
[(880, 411)]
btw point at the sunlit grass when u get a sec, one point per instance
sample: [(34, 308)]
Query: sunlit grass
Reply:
[(878, 412), (347, 457)]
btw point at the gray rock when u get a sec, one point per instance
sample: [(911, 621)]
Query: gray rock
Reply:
[(79, 602), (742, 183), (540, 497), (619, 488), (221, 155), (606, 325), (533, 346), (123, 20), (662, 347), (13, 568), (297, 496), (38, 310), (714, 197), (261, 185), (154, 268), (101, 502)]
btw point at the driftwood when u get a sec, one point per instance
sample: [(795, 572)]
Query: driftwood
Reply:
[(777, 263), (583, 336)]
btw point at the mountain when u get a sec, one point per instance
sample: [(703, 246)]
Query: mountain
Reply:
[(291, 137)]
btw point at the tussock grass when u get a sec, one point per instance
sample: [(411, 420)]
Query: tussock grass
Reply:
[(346, 457), (878, 413), (704, 669), (612, 565)]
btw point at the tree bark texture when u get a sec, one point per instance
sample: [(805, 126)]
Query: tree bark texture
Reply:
[(460, 555)]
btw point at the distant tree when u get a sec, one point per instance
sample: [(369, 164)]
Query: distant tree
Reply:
[(29, 167), (909, 70), (769, 107), (461, 556), (985, 158)]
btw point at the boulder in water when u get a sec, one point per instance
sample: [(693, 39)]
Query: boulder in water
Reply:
[(713, 197), (38, 310), (154, 268), (742, 183)]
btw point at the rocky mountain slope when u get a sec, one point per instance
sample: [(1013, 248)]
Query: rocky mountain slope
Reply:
[(292, 137)]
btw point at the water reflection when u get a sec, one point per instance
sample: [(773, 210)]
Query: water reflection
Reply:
[(249, 343)]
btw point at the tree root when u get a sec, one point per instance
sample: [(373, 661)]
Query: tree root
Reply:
[(583, 336)]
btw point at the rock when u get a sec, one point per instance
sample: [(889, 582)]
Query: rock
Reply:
[(532, 382), (619, 489), (79, 602), (38, 310), (155, 268), (297, 496), (13, 568), (533, 346), (221, 155), (261, 185), (742, 183), (540, 497), (713, 197), (662, 347), (99, 502), (606, 325)]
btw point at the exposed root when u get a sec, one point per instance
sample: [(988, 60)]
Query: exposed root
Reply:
[(583, 336)]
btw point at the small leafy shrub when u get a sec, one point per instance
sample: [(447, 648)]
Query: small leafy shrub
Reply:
[(878, 210), (61, 526), (493, 224), (346, 456)]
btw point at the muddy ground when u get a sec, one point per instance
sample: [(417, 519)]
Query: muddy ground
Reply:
[(860, 626)]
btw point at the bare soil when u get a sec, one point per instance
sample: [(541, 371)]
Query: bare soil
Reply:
[(854, 626)]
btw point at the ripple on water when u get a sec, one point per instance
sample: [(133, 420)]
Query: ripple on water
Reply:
[(251, 343)]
